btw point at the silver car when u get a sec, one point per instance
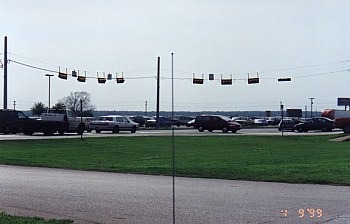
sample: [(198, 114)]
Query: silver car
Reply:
[(114, 123)]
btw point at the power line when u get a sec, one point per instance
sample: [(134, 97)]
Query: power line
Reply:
[(164, 77), (306, 66), (31, 66)]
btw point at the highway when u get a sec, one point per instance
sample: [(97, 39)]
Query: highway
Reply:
[(97, 197), (177, 132)]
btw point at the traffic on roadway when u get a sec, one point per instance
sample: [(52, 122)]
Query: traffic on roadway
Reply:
[(167, 132)]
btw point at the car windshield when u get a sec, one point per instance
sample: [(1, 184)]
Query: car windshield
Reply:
[(224, 118), (105, 119)]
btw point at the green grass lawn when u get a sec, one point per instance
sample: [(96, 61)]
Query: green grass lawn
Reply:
[(294, 159), (9, 219)]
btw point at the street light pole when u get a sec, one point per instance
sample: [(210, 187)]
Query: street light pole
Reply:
[(49, 75), (312, 102)]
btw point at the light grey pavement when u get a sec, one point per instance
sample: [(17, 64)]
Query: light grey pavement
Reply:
[(97, 197), (178, 132)]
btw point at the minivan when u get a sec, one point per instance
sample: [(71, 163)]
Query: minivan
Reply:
[(216, 122)]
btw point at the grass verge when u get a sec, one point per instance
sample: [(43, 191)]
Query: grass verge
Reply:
[(9, 219), (293, 159)]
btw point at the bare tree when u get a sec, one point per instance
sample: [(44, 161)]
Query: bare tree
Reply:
[(72, 102)]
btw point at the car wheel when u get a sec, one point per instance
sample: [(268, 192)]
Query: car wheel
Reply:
[(48, 132), (116, 129), (28, 132), (14, 131), (224, 129), (346, 129), (200, 129), (133, 130), (6, 130), (210, 130), (300, 130), (234, 130), (98, 131)]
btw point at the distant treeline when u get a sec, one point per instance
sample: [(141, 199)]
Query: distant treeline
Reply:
[(258, 114)]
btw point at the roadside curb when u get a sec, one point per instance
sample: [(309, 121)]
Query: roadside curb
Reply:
[(341, 139)]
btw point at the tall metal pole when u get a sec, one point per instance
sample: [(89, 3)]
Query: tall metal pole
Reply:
[(81, 120), (311, 102), (49, 75), (173, 131), (281, 107), (146, 108), (5, 73), (305, 111), (158, 92)]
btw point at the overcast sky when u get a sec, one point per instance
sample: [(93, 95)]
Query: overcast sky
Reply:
[(305, 40)]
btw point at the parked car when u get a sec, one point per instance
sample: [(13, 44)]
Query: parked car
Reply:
[(273, 120), (162, 122), (287, 124), (181, 120), (88, 121), (141, 120), (215, 122), (190, 123), (260, 122), (114, 123), (316, 123), (244, 121)]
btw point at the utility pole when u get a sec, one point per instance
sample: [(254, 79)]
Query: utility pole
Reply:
[(281, 108), (305, 111), (5, 72), (173, 131), (14, 105), (146, 108), (158, 92), (311, 103)]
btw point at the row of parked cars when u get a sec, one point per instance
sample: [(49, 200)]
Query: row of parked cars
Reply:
[(257, 121), (305, 125), (116, 123)]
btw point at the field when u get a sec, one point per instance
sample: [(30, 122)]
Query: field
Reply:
[(292, 159), (9, 219)]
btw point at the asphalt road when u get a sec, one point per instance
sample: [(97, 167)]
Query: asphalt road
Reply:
[(97, 197), (178, 132)]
